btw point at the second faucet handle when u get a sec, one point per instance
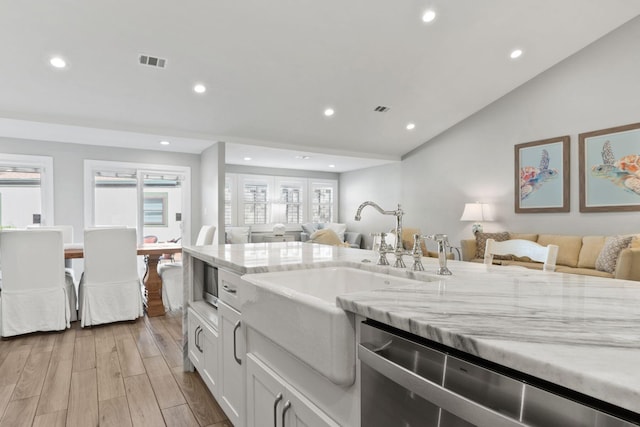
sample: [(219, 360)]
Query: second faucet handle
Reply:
[(417, 254)]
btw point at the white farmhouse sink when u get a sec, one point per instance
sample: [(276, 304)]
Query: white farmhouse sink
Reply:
[(297, 310)]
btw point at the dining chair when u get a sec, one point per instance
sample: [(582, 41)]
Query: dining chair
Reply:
[(69, 275), (522, 248), (110, 288), (171, 273), (34, 293)]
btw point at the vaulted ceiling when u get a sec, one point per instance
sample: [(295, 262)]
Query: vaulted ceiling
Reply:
[(272, 67)]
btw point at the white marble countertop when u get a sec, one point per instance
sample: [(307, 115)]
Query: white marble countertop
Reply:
[(580, 332)]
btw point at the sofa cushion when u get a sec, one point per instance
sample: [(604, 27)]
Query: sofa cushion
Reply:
[(327, 237), (523, 236), (530, 264), (569, 247), (635, 242), (309, 228), (591, 248), (481, 243), (583, 271), (609, 255)]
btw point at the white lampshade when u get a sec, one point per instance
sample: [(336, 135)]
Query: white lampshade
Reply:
[(477, 212)]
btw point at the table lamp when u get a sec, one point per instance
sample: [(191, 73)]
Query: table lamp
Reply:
[(476, 212)]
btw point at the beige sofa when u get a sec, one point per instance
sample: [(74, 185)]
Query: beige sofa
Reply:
[(576, 254)]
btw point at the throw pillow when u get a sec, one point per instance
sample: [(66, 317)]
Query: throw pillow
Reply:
[(339, 229), (327, 237), (609, 255), (481, 243), (310, 228)]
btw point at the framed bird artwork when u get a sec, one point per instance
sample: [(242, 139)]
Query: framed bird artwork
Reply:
[(542, 176), (610, 169)]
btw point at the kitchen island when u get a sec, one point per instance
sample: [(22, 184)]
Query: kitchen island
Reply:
[(576, 331)]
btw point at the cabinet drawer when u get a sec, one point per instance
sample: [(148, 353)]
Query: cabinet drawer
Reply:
[(230, 285)]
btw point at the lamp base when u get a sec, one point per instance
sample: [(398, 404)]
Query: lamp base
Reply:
[(476, 228), (279, 229)]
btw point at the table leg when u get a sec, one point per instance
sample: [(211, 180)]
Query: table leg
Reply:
[(153, 288)]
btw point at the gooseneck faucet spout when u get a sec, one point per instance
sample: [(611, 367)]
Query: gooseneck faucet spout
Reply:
[(399, 250)]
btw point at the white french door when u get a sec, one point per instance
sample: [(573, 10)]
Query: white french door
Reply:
[(155, 199)]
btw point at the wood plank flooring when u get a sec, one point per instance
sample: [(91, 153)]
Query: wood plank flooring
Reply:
[(121, 374)]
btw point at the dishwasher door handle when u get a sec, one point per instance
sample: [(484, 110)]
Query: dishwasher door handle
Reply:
[(451, 402)]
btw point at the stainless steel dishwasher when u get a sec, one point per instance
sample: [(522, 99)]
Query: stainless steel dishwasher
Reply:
[(409, 382)]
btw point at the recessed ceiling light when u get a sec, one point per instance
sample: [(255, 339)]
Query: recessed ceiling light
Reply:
[(411, 126), (57, 62), (165, 142), (429, 16), (332, 166), (516, 53), (247, 159), (329, 112), (199, 88)]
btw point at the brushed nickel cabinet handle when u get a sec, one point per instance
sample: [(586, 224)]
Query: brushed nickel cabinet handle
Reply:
[(286, 407), (235, 329), (275, 409)]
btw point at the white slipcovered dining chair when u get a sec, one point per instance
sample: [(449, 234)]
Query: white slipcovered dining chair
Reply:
[(34, 294), (171, 273), (110, 289), (522, 248), (69, 275)]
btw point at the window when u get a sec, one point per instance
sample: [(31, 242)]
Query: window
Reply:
[(26, 190), (322, 201), (265, 200), (255, 202), (155, 209), (291, 194), (229, 184)]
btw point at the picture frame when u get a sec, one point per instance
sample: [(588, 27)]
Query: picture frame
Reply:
[(609, 162), (542, 176)]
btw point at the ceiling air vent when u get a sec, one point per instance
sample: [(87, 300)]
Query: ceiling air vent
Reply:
[(152, 61), (381, 109)]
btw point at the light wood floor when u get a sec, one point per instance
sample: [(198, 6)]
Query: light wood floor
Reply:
[(122, 374)]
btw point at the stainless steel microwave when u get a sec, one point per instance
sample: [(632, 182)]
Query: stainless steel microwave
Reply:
[(209, 276)]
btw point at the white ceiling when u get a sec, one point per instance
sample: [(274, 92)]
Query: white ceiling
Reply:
[(272, 67)]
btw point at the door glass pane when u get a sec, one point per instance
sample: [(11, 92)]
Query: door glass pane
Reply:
[(162, 207), (116, 200), (20, 197)]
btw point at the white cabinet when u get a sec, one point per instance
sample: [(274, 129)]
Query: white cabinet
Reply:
[(273, 402), (231, 355), (203, 349)]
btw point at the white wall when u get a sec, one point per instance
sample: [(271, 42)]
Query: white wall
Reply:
[(599, 87), (381, 185)]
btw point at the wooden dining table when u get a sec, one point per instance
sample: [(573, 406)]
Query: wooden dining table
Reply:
[(152, 281)]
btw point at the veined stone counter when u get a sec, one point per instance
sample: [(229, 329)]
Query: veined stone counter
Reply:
[(576, 331)]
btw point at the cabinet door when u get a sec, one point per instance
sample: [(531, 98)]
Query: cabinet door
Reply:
[(231, 355), (196, 351), (303, 413), (209, 373), (265, 395), (273, 402)]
